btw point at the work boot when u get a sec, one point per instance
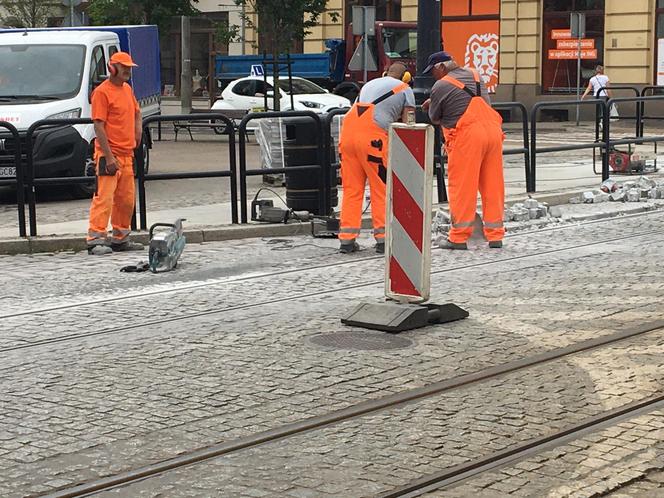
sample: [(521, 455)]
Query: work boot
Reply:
[(348, 247), (447, 244), (380, 247), (99, 250), (127, 246), (496, 244)]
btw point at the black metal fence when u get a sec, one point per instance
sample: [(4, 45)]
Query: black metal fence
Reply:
[(26, 180), (19, 175), (599, 104), (31, 182), (322, 163), (231, 173), (525, 150), (638, 139)]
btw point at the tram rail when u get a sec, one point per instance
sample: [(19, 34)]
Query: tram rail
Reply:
[(426, 483), (345, 262)]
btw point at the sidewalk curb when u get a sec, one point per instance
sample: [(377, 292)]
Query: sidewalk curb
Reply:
[(57, 243)]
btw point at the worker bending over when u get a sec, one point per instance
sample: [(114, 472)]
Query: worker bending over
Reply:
[(473, 133), (363, 151)]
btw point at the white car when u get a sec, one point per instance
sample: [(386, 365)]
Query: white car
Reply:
[(249, 94)]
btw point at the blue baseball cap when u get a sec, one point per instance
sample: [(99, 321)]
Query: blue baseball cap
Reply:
[(436, 58)]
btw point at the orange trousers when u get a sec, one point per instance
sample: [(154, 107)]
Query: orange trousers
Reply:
[(113, 199), (475, 161), (360, 161)]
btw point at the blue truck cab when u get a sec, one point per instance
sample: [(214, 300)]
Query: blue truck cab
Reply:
[(51, 73)]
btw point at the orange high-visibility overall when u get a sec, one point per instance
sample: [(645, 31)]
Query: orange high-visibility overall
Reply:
[(363, 152), (117, 107), (475, 161), (115, 198)]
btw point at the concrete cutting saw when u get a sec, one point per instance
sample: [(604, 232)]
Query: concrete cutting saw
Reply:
[(166, 246)]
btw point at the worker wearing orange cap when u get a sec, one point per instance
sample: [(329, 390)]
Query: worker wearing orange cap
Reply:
[(474, 144), (363, 151), (118, 126)]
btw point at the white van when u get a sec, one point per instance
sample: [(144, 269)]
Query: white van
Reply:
[(50, 74)]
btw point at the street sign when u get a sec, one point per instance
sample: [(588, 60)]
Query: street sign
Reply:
[(257, 70), (577, 24), (573, 54), (71, 3), (574, 44), (356, 62), (560, 34), (364, 20)]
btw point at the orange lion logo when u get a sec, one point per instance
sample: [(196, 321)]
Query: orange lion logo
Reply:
[(482, 54)]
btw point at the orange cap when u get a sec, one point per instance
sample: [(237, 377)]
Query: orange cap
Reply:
[(122, 58)]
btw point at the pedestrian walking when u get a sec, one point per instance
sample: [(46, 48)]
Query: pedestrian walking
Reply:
[(473, 134), (598, 85), (118, 126), (363, 152)]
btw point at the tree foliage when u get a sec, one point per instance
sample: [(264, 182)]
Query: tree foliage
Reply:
[(280, 22), (28, 13), (159, 12)]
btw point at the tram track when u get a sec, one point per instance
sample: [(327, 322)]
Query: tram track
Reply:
[(304, 295), (444, 479), (268, 275), (356, 411)]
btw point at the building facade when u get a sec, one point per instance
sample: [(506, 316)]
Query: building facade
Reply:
[(522, 47)]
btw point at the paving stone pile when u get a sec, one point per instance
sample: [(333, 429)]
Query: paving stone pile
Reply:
[(630, 191)]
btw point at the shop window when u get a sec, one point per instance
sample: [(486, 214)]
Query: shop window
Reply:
[(559, 62)]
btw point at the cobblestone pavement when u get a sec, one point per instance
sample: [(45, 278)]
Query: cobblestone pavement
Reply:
[(77, 410), (626, 460), (388, 449)]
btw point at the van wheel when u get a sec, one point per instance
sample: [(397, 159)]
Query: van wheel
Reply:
[(86, 190)]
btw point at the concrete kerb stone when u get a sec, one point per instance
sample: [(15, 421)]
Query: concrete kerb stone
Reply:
[(52, 243)]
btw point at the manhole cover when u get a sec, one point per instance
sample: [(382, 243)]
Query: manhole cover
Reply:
[(364, 341)]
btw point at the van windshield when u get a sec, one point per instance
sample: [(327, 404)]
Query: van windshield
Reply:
[(40, 71)]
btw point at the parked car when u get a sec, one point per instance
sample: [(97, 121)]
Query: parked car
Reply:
[(249, 94)]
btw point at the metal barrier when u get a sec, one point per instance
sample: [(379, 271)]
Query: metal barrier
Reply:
[(19, 178), (323, 164), (636, 117), (525, 150), (534, 150), (31, 181), (639, 139), (644, 93), (231, 173), (327, 146)]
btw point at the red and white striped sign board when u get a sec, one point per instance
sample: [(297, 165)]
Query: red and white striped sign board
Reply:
[(408, 221)]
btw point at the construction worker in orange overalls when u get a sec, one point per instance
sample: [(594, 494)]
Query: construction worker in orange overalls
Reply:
[(474, 143), (118, 126), (363, 152)]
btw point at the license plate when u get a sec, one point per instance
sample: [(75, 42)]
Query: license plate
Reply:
[(7, 171)]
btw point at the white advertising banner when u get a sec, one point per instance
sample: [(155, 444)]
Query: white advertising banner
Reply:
[(660, 61)]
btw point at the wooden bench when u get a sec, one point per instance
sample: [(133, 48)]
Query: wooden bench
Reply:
[(218, 128)]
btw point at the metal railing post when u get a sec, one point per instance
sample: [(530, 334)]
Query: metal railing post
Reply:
[(242, 130), (243, 157), (19, 178)]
